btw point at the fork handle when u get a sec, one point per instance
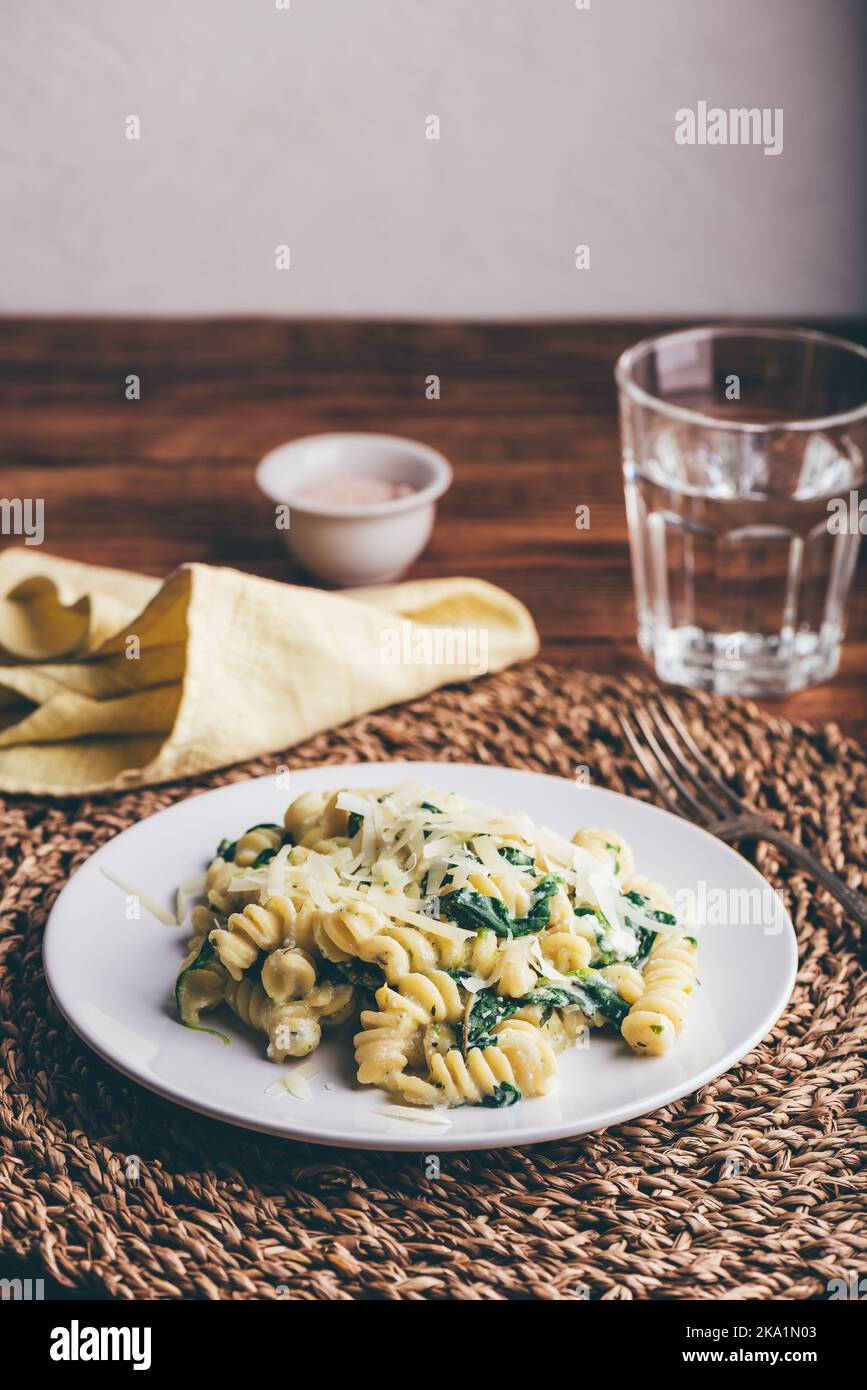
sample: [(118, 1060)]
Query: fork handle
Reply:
[(855, 903)]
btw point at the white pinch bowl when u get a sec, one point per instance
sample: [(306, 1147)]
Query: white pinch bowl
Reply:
[(349, 544)]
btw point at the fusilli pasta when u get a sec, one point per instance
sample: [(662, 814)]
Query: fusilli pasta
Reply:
[(659, 1012), (468, 945)]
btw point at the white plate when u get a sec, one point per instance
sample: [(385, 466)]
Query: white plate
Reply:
[(113, 978)]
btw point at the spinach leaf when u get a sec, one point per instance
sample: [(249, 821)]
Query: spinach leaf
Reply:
[(586, 988), (474, 911), (504, 1094), (645, 938), (540, 907), (254, 971), (486, 1011), (365, 976), (585, 910), (600, 995), (552, 996), (434, 810), (459, 974), (590, 991), (665, 918), (187, 1015), (516, 856)]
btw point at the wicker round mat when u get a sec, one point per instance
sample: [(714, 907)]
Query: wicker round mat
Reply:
[(753, 1187)]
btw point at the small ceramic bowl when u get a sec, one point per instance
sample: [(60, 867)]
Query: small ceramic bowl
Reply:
[(348, 542)]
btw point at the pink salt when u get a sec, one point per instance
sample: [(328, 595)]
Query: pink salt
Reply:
[(354, 491)]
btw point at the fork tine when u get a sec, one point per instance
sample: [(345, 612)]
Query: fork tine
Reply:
[(647, 764), (731, 797), (704, 790), (644, 757), (697, 808)]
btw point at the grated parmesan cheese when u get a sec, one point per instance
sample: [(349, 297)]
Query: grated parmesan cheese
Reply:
[(147, 903), (392, 904), (295, 1082), (408, 1112), (275, 878)]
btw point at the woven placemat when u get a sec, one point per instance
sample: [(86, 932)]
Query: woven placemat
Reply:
[(753, 1187)]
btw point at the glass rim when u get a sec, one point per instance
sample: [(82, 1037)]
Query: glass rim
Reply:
[(629, 387)]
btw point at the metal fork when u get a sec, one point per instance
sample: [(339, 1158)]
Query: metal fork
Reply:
[(657, 735)]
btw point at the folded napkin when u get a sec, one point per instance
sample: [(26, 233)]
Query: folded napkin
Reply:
[(111, 680)]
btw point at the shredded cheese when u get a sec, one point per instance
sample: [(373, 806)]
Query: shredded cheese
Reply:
[(407, 1112), (275, 877), (393, 906), (148, 903), (295, 1082)]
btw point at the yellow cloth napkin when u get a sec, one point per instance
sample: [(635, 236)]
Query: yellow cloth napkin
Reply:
[(111, 680)]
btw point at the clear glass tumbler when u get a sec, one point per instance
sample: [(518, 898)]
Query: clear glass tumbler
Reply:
[(743, 460)]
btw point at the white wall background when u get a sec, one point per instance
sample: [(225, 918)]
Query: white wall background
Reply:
[(307, 126)]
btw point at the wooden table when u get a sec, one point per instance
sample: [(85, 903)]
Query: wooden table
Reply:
[(526, 415)]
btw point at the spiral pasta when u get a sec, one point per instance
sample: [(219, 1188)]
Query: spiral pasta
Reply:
[(293, 1027), (424, 998), (305, 814), (382, 1048), (288, 973), (521, 1058), (609, 848), (400, 950), (203, 987), (369, 935), (217, 880), (254, 929), (468, 945), (625, 979), (254, 841), (517, 973), (562, 1028), (315, 818), (340, 935), (659, 1012), (483, 952), (566, 950)]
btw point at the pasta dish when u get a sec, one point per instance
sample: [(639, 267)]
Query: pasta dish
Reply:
[(466, 945)]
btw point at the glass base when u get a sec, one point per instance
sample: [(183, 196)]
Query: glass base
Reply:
[(741, 663)]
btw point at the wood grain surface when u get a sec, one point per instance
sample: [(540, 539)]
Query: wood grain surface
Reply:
[(527, 416)]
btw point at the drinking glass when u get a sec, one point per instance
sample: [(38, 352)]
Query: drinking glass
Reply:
[(743, 463)]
